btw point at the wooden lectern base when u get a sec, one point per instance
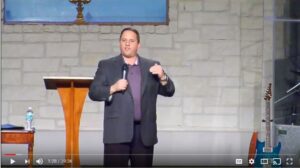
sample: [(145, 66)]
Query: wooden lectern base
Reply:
[(72, 92), (72, 112)]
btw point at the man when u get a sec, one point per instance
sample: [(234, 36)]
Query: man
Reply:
[(129, 85)]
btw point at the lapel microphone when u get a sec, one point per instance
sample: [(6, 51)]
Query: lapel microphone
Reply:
[(125, 71)]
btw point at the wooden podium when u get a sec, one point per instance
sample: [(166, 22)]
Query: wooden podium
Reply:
[(72, 92)]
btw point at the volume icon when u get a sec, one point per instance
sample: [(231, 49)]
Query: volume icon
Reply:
[(39, 161)]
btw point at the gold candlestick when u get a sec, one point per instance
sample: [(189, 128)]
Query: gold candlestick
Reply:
[(80, 18)]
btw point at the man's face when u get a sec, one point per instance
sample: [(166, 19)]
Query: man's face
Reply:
[(129, 44)]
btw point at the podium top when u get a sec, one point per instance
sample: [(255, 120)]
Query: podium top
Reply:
[(54, 82)]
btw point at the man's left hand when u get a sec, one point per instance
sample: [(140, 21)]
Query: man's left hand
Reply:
[(157, 70)]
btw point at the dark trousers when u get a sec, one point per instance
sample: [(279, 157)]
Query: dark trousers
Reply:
[(119, 154)]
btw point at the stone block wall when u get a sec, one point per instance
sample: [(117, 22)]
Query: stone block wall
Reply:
[(218, 52)]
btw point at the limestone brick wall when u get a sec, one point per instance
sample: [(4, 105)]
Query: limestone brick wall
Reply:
[(217, 52)]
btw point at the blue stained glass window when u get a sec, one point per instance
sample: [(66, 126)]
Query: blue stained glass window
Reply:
[(97, 11)]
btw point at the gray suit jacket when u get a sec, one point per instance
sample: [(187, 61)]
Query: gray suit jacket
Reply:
[(118, 112)]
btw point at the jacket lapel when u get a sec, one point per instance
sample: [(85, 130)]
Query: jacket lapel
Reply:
[(144, 74), (118, 65), (119, 62)]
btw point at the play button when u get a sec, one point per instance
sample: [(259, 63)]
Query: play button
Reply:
[(12, 161)]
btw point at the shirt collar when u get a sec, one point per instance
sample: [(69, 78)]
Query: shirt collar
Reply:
[(136, 61)]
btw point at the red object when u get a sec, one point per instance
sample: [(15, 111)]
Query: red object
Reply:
[(252, 147), (10, 154)]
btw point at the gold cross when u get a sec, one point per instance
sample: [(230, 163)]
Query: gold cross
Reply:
[(80, 18)]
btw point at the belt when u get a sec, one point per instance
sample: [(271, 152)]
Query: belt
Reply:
[(137, 122)]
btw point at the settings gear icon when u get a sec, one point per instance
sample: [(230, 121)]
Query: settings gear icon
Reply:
[(251, 161)]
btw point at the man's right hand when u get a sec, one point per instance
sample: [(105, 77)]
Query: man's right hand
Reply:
[(120, 85)]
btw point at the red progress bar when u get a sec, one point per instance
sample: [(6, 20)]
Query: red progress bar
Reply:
[(10, 154)]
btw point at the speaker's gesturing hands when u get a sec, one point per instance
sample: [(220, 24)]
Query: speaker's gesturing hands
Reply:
[(120, 85), (157, 70)]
